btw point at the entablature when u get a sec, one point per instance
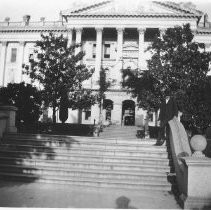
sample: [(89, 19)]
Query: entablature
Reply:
[(129, 23)]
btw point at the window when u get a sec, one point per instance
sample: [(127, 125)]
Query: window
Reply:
[(13, 55), (94, 51), (31, 57), (87, 114), (150, 116), (150, 34), (107, 51)]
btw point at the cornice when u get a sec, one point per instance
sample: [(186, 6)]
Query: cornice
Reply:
[(21, 30), (146, 15), (201, 31)]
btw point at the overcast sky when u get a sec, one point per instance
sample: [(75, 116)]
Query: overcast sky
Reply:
[(15, 9)]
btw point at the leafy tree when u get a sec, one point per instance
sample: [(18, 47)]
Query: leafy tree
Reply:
[(196, 103), (57, 68), (177, 62), (26, 98), (104, 84), (178, 67)]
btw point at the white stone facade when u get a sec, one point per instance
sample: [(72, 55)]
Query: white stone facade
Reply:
[(113, 36)]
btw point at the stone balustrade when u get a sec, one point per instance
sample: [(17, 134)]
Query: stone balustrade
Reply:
[(31, 24), (192, 169)]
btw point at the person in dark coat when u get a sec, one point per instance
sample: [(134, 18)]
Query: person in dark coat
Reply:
[(168, 110)]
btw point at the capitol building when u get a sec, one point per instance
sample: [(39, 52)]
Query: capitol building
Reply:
[(114, 36)]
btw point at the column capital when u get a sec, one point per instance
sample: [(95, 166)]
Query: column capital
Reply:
[(99, 29), (194, 31), (22, 43), (162, 30), (141, 30), (4, 44), (78, 30), (69, 30), (120, 29)]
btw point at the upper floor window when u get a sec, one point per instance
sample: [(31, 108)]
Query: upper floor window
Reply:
[(150, 34), (88, 115), (150, 116), (13, 55), (107, 51), (87, 112), (94, 51)]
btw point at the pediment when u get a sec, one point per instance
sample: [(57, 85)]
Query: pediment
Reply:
[(137, 7)]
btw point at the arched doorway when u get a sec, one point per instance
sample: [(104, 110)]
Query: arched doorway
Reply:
[(128, 112), (108, 106)]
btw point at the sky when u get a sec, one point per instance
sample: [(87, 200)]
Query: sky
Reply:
[(16, 9)]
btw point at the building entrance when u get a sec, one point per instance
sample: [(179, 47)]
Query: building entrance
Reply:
[(128, 112), (108, 106)]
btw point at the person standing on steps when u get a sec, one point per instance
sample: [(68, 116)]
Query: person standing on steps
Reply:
[(168, 110)]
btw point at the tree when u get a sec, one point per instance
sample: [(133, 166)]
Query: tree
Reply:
[(104, 84), (26, 98), (57, 68), (178, 67)]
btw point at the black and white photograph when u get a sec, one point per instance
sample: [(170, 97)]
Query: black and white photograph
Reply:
[(105, 104)]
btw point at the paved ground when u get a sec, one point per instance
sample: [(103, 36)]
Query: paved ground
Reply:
[(17, 194)]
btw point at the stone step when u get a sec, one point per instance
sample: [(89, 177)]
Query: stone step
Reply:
[(60, 146), (113, 128), (78, 163), (56, 138), (64, 153), (87, 182), (65, 162), (100, 159), (95, 165), (85, 173), (114, 135)]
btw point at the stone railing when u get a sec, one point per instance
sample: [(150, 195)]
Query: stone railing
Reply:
[(193, 170), (7, 119), (31, 24)]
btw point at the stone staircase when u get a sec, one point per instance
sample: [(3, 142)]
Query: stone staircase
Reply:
[(116, 131), (123, 162)]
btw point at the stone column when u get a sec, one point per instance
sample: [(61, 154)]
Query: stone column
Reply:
[(162, 32), (141, 32), (69, 36), (194, 32), (119, 43), (78, 39), (3, 62), (18, 76), (99, 33)]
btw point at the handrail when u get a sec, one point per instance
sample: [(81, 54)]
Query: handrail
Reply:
[(180, 147)]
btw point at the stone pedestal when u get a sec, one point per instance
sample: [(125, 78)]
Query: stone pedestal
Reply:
[(10, 112), (197, 173)]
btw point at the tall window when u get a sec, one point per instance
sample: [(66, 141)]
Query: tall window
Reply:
[(13, 55), (94, 51), (107, 51), (87, 113)]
